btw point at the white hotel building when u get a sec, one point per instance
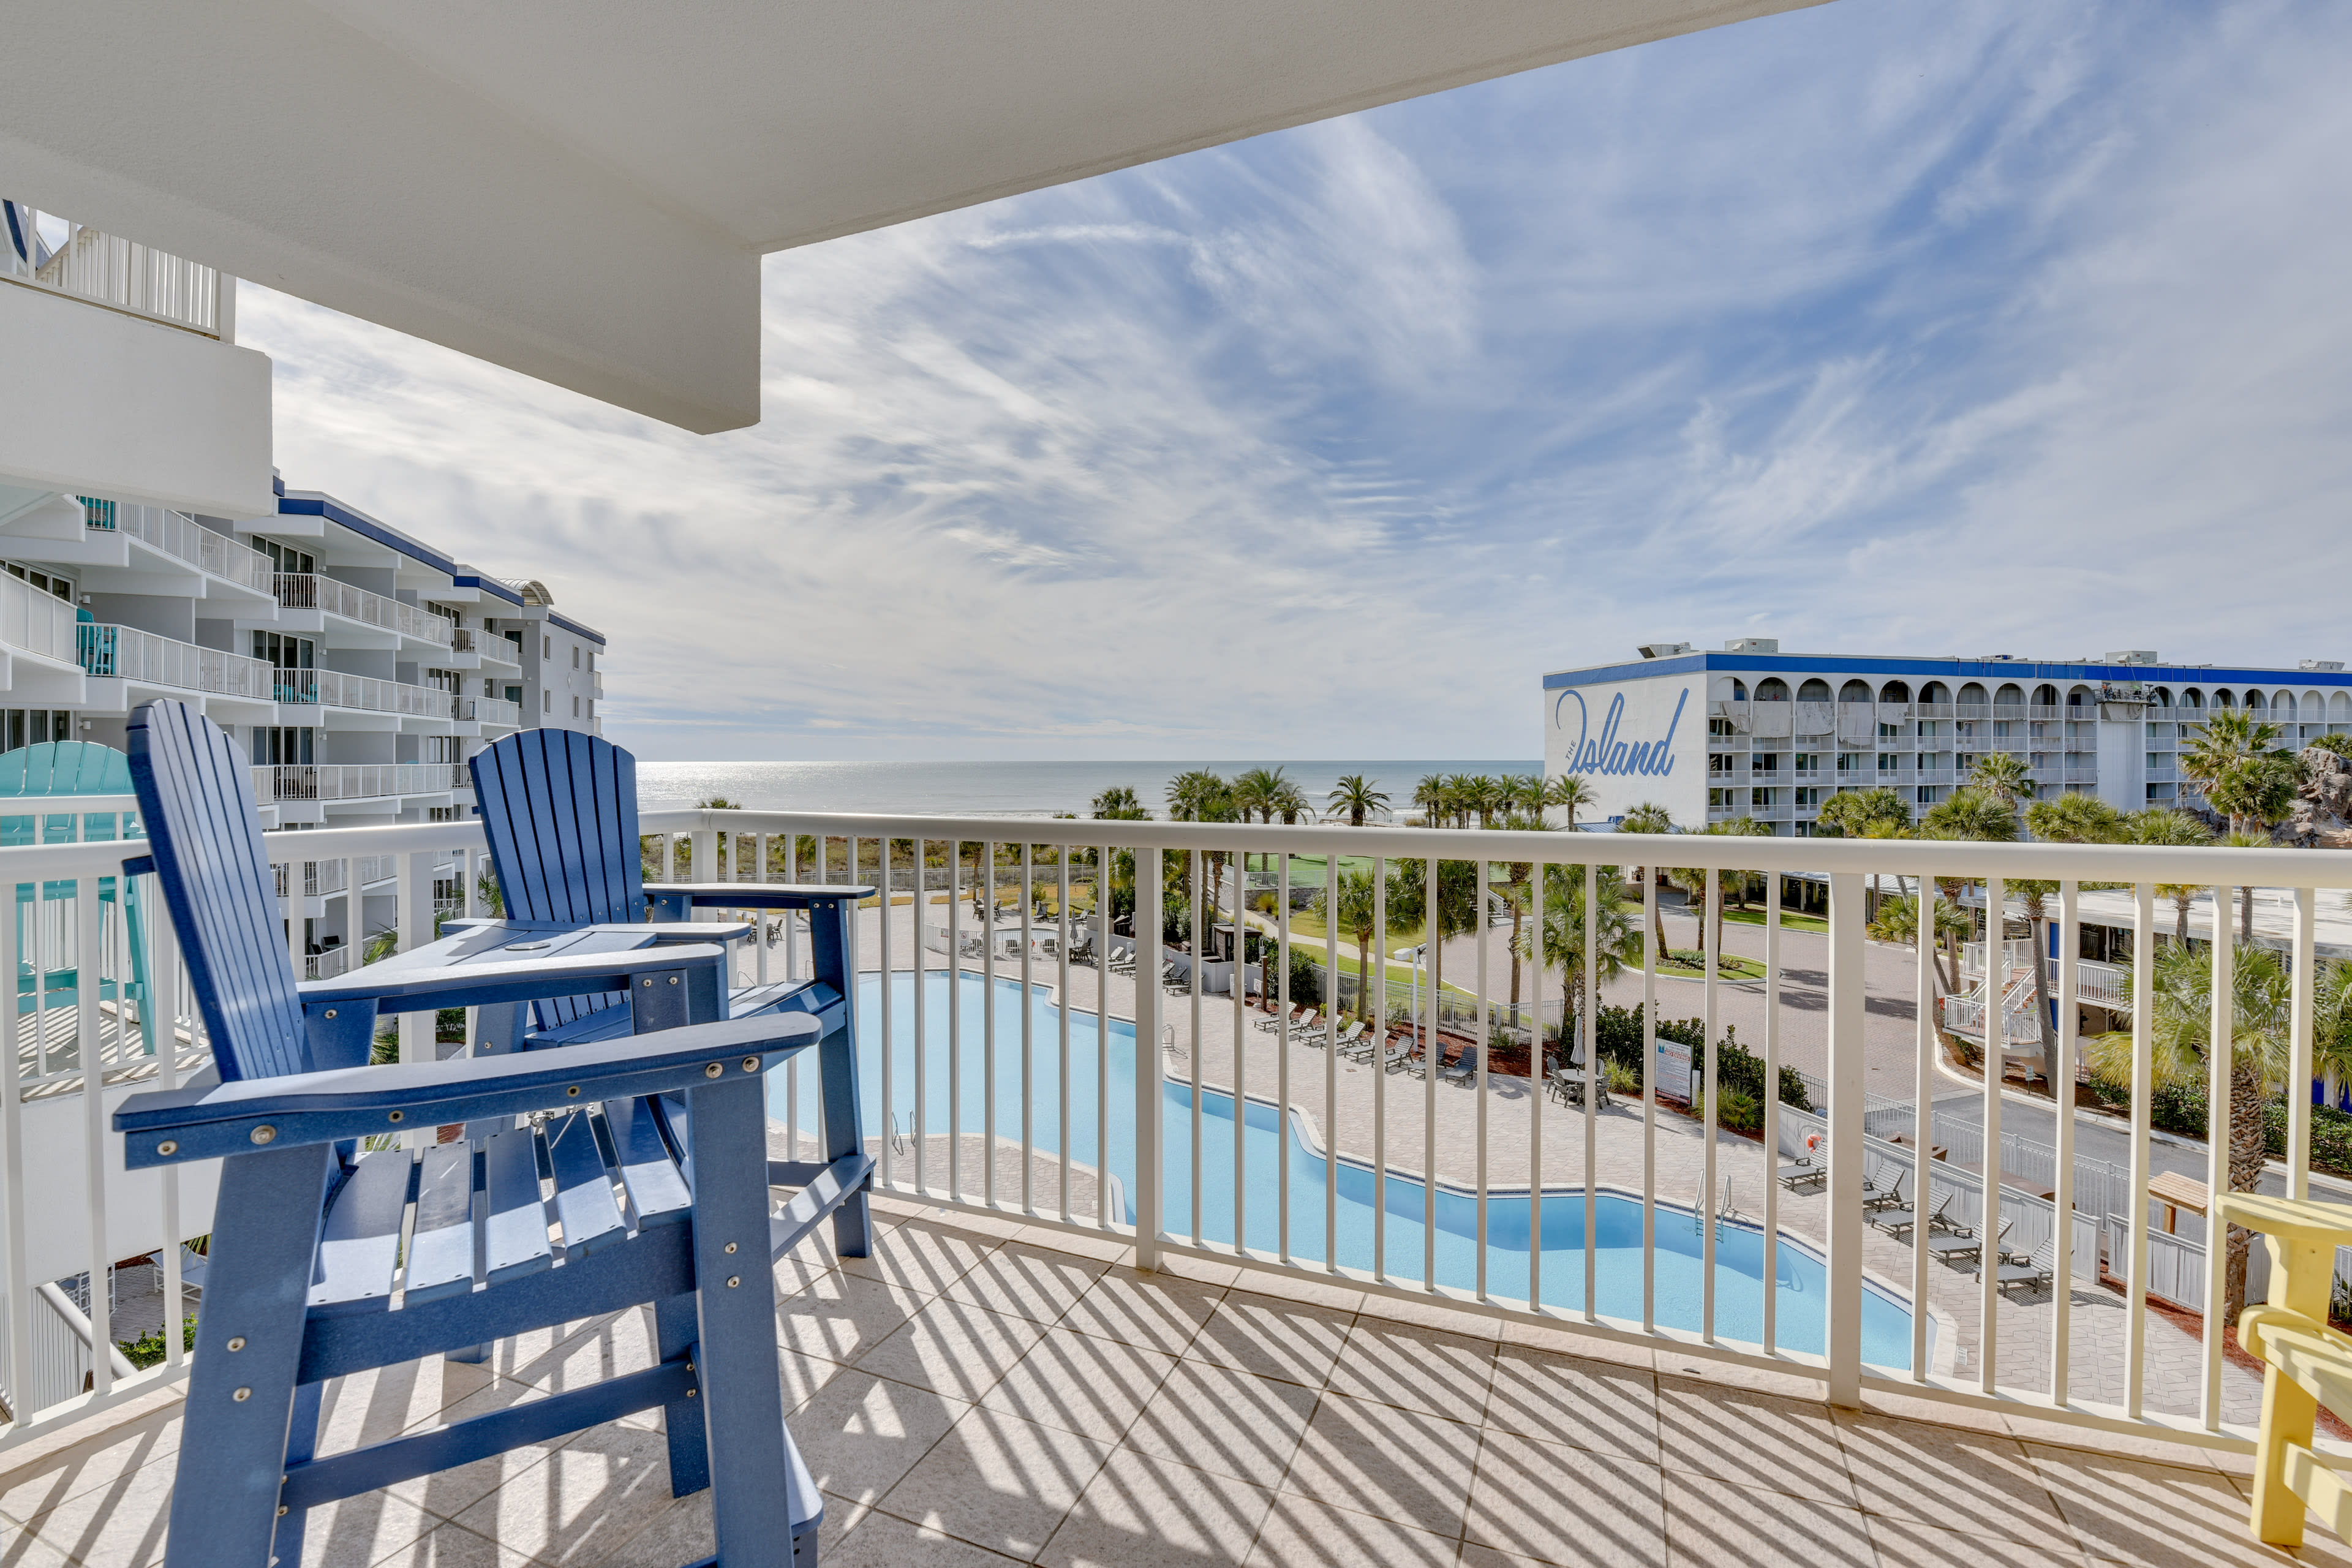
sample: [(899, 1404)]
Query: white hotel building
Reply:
[(1752, 732), (148, 548)]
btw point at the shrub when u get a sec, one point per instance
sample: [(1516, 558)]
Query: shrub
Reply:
[(1736, 1109), (1620, 1079), (1620, 1033), (2331, 1135), (149, 1349), (1305, 983)]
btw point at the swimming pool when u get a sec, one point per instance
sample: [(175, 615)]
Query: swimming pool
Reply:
[(1801, 1277)]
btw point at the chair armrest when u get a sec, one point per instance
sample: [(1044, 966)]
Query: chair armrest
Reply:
[(352, 1102), (413, 990), (664, 933), (755, 894)]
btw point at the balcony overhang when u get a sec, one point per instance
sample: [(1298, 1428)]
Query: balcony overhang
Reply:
[(584, 194)]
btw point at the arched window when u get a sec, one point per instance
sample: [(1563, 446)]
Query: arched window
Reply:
[(2224, 698), (1739, 692), (1972, 693), (2010, 695), (2340, 709), (2255, 703), (1772, 689), (2192, 697), (1813, 691), (2045, 697), (1935, 691), (2313, 706), (2079, 697), (1894, 691), (2283, 704), (2161, 696), (1853, 691)]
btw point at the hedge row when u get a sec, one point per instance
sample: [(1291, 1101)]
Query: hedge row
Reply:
[(1619, 1030)]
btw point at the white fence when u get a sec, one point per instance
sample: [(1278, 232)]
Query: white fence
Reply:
[(307, 591), (108, 269)]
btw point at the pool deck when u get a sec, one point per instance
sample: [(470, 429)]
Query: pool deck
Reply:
[(2025, 1321), (977, 1393)]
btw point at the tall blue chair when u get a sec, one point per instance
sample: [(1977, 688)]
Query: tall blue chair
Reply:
[(52, 771), (560, 811), (306, 1244)]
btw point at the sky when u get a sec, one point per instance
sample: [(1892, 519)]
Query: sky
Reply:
[(1995, 326)]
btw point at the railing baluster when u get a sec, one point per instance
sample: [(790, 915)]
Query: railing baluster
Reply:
[(987, 917), (1588, 1026), (18, 1301), (2061, 1092), (93, 1131), (1538, 1081), (2299, 1049), (922, 1113), (1028, 1032), (2219, 1058), (1380, 984), (2142, 1101), (1483, 1033), (1280, 1003), (1237, 985), (162, 1002), (1923, 1094), (1105, 857), (955, 1020), (1432, 1058), (1064, 930), (1649, 1104), (1847, 1062), (889, 1043), (1709, 936), (1201, 895), (1772, 894), (1989, 1245), (1149, 1072)]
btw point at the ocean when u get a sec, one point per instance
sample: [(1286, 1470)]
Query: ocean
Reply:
[(997, 789)]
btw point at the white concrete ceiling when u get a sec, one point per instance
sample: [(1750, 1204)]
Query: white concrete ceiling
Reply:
[(581, 189)]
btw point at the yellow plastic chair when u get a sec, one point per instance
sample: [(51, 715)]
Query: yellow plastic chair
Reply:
[(2306, 1363)]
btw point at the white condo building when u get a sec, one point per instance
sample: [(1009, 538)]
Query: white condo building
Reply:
[(148, 548), (1752, 732)]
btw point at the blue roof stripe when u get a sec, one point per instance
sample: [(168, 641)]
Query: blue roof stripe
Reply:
[(318, 503), (2019, 670)]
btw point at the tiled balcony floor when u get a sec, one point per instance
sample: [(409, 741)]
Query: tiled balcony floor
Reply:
[(976, 1392)]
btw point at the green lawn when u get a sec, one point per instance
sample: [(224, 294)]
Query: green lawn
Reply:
[(1790, 920), (1733, 968)]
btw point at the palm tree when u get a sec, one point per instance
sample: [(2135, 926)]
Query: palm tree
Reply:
[(2004, 777), (1117, 803), (1649, 817), (1288, 801), (1898, 920), (1572, 792), (1523, 795), (2230, 737), (2067, 819), (1199, 795), (1359, 797), (1879, 812), (1616, 932), (1358, 918), (1455, 912), (1971, 815), (2181, 1003), (2169, 827), (2235, 840), (1429, 799), (1517, 889), (1693, 881)]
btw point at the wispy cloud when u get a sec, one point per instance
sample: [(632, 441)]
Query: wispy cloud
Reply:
[(1999, 324)]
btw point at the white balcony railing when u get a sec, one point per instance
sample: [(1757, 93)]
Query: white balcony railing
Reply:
[(36, 621), (333, 689), (126, 653), (363, 781), (494, 710), (1069, 1091), (307, 591), (123, 275), (177, 534), (328, 963)]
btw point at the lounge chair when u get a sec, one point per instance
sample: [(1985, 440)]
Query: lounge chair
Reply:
[(2037, 1271), (1803, 1170), (1303, 1029), (1347, 1046), (1416, 1058), (1891, 1197), (1273, 1020), (1393, 1053), (1899, 1226), (1965, 1246), (1465, 1068)]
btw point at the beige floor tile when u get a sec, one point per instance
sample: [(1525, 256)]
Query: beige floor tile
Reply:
[(448, 1494), (1154, 1310), (1299, 1530), (1231, 1422), (1572, 1341), (1556, 1504), (953, 1348), (601, 1488), (860, 1434), (1906, 1544), (1312, 1291), (1432, 1315), (1752, 1439), (922, 1255), (19, 1549), (1717, 1524), (882, 1541), (452, 1546), (1476, 1556), (1674, 1360), (1597, 1405), (1938, 1411), (842, 1316), (122, 1522), (1962, 1480), (1394, 1464), (1081, 1384), (1143, 1512), (1200, 1270), (998, 1482), (1027, 1281), (156, 1411), (65, 1473), (1104, 1248), (372, 1406), (1416, 1368), (1272, 1338), (2158, 1515), (621, 1343)]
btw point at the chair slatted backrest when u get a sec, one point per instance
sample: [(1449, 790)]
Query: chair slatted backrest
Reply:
[(560, 809), (195, 795)]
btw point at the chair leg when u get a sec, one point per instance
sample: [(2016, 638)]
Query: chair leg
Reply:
[(676, 1327), (301, 1446), (735, 1294), (241, 1400), (853, 1229)]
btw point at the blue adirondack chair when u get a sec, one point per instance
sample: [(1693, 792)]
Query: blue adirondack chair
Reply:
[(306, 1235), (560, 810), (51, 770)]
